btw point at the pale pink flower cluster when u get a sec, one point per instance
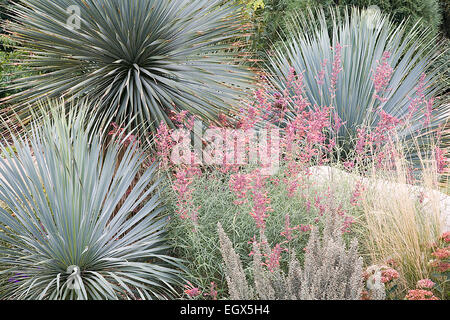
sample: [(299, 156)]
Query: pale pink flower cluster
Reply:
[(304, 141), (385, 126), (212, 291), (388, 275), (425, 284), (338, 123), (441, 253), (252, 186), (446, 237), (374, 143), (419, 294), (428, 111), (416, 102), (320, 205), (347, 224), (305, 228)]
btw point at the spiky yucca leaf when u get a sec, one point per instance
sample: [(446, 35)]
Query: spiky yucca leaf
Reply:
[(364, 36), (141, 59), (73, 227)]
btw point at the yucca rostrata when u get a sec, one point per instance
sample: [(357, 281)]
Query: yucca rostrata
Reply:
[(143, 60), (360, 65), (71, 227)]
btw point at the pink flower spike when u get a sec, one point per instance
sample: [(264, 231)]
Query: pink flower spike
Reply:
[(191, 291), (273, 260), (337, 68), (321, 76), (440, 160), (382, 76), (287, 233)]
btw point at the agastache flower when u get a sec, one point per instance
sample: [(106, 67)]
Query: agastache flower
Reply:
[(305, 228), (181, 117), (319, 205), (428, 111), (420, 97), (361, 141), (347, 224), (384, 127), (338, 123), (349, 165)]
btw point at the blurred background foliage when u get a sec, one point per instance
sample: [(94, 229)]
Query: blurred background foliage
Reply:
[(268, 16), (9, 68), (269, 27)]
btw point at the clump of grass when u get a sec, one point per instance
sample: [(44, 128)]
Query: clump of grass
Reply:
[(402, 220), (198, 243)]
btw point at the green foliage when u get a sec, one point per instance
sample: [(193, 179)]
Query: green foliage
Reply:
[(198, 243), (142, 60), (445, 8), (251, 6), (364, 39), (330, 271), (70, 206), (440, 271), (4, 12), (10, 69), (272, 26), (3, 4)]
